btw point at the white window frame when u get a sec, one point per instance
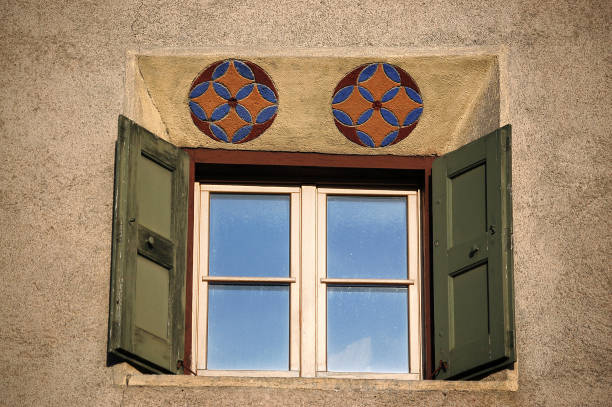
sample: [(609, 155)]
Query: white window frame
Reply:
[(200, 309), (308, 281)]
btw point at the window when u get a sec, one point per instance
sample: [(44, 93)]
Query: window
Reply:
[(458, 322), (368, 282), (247, 278), (255, 270)]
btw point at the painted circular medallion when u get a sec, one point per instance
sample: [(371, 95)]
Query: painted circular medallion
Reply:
[(376, 105), (233, 101)]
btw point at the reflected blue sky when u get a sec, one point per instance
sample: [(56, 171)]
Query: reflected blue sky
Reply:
[(367, 329), (366, 237), (249, 235), (248, 327)]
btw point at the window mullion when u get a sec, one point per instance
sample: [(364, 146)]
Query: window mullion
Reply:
[(308, 281), (321, 222), (203, 272), (294, 308), (414, 271), (195, 272)]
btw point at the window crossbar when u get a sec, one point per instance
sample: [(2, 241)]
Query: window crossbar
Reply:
[(233, 279), (366, 281)]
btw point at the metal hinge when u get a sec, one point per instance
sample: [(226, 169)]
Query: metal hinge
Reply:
[(507, 143), (509, 237), (442, 366), (120, 232), (511, 339), (180, 364)]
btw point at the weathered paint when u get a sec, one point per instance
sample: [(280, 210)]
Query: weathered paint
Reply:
[(148, 274)]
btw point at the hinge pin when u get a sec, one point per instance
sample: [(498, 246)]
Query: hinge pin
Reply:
[(443, 366)]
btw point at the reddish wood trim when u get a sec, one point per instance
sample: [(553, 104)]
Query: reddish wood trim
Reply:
[(210, 156), (427, 287), (189, 273)]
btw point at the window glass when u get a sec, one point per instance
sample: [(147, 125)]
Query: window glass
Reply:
[(366, 237), (249, 235), (367, 329), (248, 327), (308, 281)]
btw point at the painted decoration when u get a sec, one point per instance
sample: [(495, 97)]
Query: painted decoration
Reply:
[(233, 101), (377, 105)]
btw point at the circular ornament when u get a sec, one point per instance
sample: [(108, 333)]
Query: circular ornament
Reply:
[(233, 101), (376, 105)]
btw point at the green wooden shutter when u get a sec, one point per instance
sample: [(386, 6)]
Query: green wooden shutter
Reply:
[(149, 250), (472, 258)]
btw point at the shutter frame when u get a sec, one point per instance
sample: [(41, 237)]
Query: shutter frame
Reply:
[(470, 359), (167, 252)]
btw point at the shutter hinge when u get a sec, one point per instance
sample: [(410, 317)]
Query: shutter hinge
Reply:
[(511, 339), (443, 366), (120, 233), (507, 143), (181, 364), (509, 237)]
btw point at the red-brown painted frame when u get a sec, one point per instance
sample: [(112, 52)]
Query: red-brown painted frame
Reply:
[(328, 161)]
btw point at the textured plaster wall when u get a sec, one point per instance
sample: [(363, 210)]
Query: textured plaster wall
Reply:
[(62, 69), (452, 86)]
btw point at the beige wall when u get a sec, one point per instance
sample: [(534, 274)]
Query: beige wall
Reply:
[(62, 75)]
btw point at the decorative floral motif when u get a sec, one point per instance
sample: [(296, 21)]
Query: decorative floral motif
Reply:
[(376, 105), (233, 101)]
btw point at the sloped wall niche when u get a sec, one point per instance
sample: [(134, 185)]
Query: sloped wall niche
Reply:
[(460, 93)]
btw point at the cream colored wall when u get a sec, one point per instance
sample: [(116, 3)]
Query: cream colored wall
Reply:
[(63, 77)]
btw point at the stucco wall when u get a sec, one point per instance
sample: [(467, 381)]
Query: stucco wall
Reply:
[(62, 74)]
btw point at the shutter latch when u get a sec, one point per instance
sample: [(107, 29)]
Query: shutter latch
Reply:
[(443, 366)]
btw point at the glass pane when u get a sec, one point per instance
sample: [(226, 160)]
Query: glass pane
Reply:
[(249, 235), (367, 329), (248, 327), (366, 237)]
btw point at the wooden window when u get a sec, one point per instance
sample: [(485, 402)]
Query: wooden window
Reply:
[(246, 238), (154, 246), (286, 247), (368, 282)]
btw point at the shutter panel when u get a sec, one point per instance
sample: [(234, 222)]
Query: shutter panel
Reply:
[(149, 250), (472, 260)]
